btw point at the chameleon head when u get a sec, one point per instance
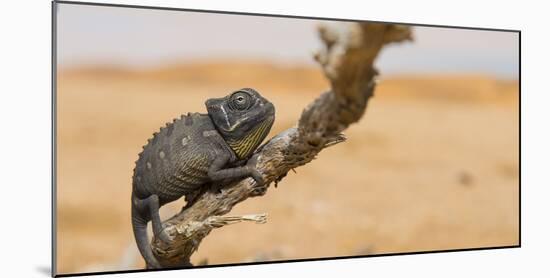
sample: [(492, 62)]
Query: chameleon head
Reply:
[(243, 118)]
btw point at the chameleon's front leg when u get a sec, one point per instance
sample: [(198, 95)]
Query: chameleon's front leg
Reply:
[(217, 173)]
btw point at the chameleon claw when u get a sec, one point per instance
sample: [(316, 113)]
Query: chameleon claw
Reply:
[(163, 236), (260, 188), (254, 173), (257, 176)]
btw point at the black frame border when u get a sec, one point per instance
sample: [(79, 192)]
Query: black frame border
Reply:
[(54, 137)]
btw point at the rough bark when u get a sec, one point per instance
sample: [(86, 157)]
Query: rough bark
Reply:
[(347, 61)]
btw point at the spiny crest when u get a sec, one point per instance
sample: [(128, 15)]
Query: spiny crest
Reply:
[(168, 127)]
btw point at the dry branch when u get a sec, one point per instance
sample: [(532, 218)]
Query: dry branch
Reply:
[(347, 61)]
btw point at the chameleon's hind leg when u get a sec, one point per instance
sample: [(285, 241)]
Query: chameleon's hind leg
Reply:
[(151, 205)]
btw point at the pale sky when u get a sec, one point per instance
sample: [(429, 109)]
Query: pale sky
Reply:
[(144, 37)]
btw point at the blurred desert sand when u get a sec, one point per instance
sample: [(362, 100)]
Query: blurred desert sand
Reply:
[(433, 165)]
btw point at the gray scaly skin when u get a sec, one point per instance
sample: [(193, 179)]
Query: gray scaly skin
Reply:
[(194, 153)]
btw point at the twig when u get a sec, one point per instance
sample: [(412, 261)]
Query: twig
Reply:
[(347, 61)]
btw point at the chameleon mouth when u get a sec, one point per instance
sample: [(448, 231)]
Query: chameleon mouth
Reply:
[(235, 125), (269, 119)]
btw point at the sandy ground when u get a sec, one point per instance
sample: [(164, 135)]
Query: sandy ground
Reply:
[(433, 165)]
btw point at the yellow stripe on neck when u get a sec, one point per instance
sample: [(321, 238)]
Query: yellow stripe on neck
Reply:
[(246, 145)]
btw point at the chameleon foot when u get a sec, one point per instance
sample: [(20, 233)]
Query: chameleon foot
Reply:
[(163, 235)]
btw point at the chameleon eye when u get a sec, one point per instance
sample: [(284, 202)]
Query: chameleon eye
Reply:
[(240, 101)]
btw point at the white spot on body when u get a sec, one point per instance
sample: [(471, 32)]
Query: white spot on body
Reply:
[(185, 140), (149, 165), (208, 133), (161, 154)]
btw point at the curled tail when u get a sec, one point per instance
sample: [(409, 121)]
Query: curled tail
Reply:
[(139, 225)]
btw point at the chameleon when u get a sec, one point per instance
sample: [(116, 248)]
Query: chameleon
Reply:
[(194, 152)]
